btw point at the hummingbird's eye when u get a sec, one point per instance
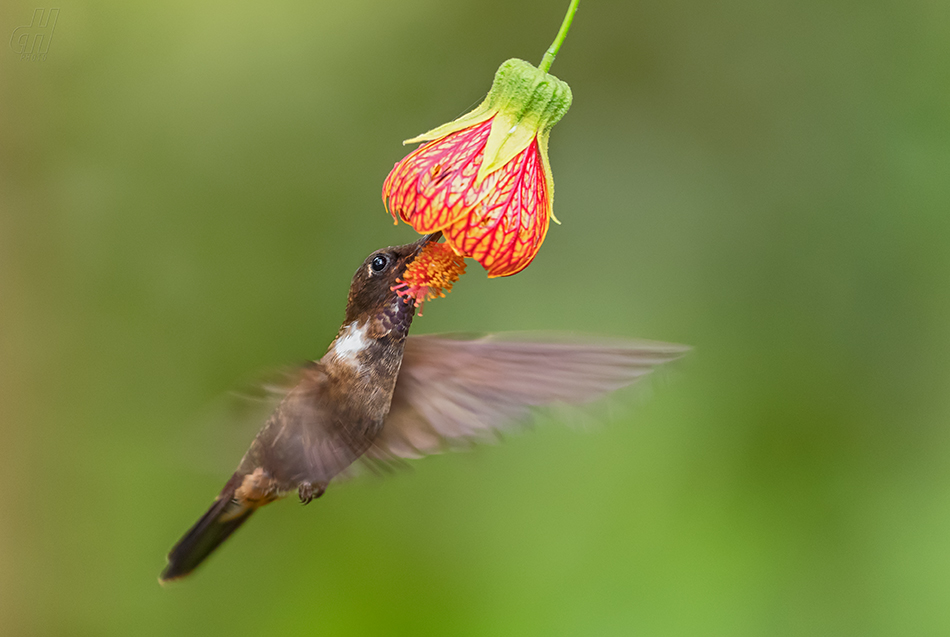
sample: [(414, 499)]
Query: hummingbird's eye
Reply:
[(379, 263)]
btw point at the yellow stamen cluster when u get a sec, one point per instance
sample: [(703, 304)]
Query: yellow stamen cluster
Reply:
[(431, 274)]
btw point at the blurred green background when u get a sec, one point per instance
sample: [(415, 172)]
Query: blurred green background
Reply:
[(186, 189)]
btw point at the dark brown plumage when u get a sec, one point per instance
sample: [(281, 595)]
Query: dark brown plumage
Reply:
[(380, 394)]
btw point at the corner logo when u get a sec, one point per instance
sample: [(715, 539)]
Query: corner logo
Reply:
[(31, 42)]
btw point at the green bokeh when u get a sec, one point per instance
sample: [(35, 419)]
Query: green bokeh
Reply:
[(185, 190)]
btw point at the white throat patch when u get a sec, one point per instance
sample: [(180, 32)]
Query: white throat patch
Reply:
[(347, 347)]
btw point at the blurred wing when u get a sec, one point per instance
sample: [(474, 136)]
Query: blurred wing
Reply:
[(304, 440), (452, 391)]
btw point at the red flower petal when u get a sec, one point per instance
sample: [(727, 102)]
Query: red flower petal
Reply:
[(505, 229), (432, 186)]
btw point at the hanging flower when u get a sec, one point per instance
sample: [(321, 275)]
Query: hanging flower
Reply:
[(484, 179)]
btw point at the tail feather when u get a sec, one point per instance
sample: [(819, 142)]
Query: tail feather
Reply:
[(215, 526)]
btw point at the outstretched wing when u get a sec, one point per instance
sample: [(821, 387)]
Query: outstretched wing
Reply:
[(452, 391)]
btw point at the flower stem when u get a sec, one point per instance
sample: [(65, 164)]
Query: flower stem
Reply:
[(548, 58)]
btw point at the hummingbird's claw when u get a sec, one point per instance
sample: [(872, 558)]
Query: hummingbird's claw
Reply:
[(309, 492)]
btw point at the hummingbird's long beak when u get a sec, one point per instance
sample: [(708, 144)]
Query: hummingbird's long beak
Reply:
[(427, 239)]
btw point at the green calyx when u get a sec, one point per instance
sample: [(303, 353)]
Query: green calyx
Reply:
[(528, 95), (525, 103)]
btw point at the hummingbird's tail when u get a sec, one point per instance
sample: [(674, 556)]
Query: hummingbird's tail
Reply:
[(215, 526)]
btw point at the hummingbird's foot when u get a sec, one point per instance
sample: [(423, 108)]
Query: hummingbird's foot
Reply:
[(308, 492)]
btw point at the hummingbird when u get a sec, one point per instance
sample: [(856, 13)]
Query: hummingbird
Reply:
[(380, 395)]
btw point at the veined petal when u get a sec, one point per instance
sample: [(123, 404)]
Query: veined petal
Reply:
[(433, 185), (505, 230)]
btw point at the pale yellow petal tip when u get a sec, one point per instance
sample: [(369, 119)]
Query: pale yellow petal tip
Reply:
[(424, 137), (418, 139), (476, 116)]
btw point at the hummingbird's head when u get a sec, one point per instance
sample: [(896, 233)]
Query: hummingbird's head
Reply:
[(371, 291)]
